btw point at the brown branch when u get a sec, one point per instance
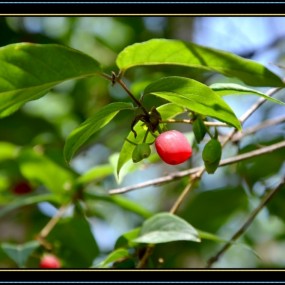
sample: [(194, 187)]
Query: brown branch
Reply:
[(50, 225), (185, 121), (247, 223), (186, 190), (254, 129), (147, 254), (181, 174), (259, 103)]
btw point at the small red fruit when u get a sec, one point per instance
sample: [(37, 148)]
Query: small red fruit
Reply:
[(22, 187), (50, 261), (173, 147)]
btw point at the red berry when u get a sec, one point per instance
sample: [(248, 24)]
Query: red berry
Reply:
[(22, 187), (50, 261), (173, 147)]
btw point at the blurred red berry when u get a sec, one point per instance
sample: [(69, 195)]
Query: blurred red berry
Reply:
[(173, 147), (50, 261), (22, 187)]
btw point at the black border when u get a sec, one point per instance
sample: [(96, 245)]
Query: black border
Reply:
[(123, 8), (192, 276), (163, 276)]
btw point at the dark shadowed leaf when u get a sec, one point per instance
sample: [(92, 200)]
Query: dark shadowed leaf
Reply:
[(20, 253)]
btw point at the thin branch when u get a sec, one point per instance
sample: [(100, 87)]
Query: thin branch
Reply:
[(147, 254), (186, 190), (115, 78), (254, 129), (155, 182), (186, 121), (51, 224), (247, 223), (250, 111), (139, 104), (181, 174), (259, 103)]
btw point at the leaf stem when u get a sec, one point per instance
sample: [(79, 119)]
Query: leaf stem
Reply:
[(117, 78)]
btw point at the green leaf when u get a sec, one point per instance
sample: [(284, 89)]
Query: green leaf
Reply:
[(166, 227), (122, 202), (126, 239), (223, 89), (207, 209), (25, 201), (93, 124), (28, 71), (75, 242), (113, 256), (195, 96), (8, 151), (166, 111), (35, 166), (176, 52), (211, 155), (96, 173), (20, 253)]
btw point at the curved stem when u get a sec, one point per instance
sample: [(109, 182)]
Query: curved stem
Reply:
[(138, 103), (116, 78)]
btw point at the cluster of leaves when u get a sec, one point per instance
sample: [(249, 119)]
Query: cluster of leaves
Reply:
[(28, 71)]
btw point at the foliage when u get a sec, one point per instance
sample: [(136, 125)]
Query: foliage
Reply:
[(75, 156)]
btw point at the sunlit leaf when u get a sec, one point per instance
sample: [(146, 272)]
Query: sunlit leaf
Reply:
[(96, 173), (115, 255), (195, 96), (8, 151), (223, 89), (166, 227), (176, 52), (28, 71)]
